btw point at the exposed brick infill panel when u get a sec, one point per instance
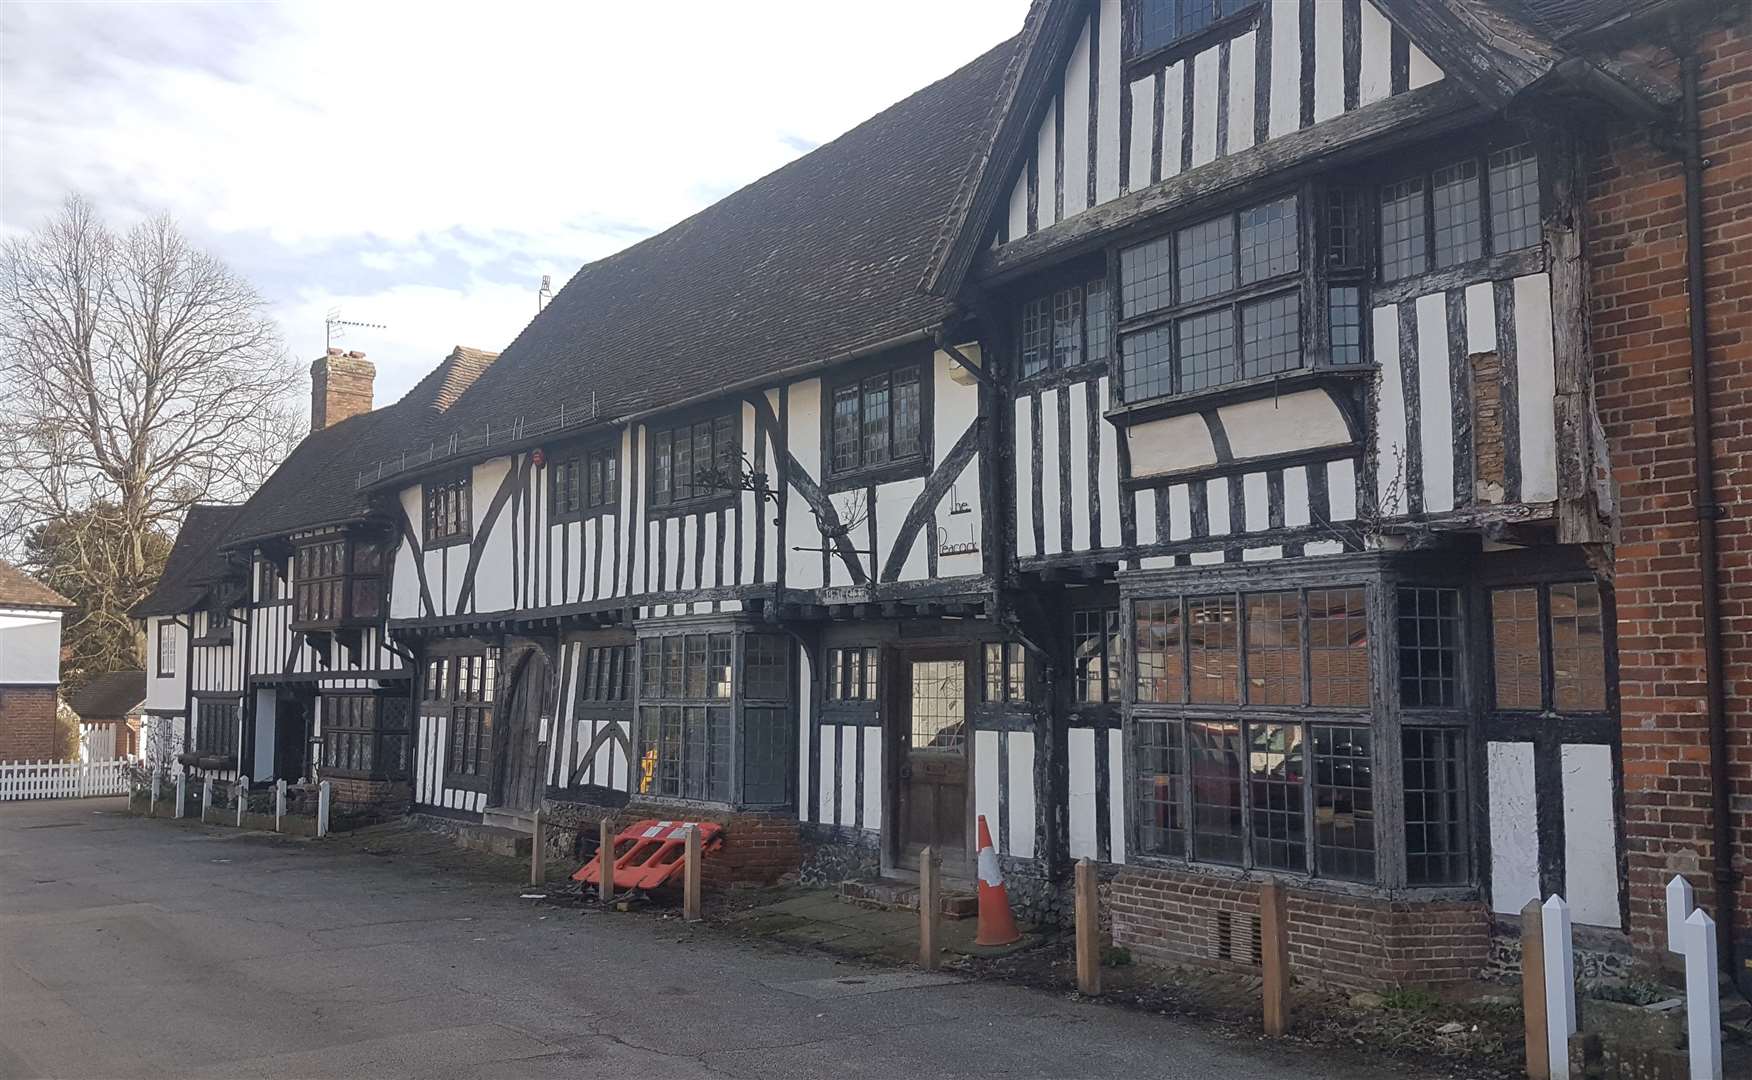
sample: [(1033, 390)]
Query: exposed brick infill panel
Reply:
[(27, 723)]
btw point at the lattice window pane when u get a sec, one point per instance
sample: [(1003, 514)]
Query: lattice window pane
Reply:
[(1514, 198), (1212, 625), (1429, 646), (876, 420), (1338, 648), (1274, 649), (1096, 322), (1458, 213), (674, 677), (1206, 347), (765, 667), (718, 683), (1344, 228), (1156, 639), (697, 655), (766, 756), (1271, 335), (1435, 813), (1146, 276), (1094, 639), (1344, 801), (1034, 342), (1148, 363), (1067, 327), (1269, 242), (907, 413), (1515, 648), (1578, 655), (1345, 307), (1402, 229), (939, 720), (1215, 767), (1206, 254), (1161, 787), (1276, 794)]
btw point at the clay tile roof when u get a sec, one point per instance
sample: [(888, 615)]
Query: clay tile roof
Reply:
[(315, 487), (814, 261), (193, 561), (19, 590), (113, 695)]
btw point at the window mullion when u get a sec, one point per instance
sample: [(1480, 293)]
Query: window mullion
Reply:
[(1486, 236)]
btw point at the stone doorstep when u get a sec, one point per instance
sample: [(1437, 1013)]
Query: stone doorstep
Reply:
[(892, 895), (495, 840)]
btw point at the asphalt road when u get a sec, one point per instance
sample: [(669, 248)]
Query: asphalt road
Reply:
[(138, 948)]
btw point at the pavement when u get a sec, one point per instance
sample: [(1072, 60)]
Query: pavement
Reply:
[(131, 947)]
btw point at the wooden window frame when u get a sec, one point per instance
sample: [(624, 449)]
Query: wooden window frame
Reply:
[(349, 577), (1090, 283), (384, 765), (579, 463), (205, 723), (267, 580), (165, 671), (1423, 165), (668, 505), (917, 463), (219, 630), (475, 706), (1223, 25), (456, 528), (749, 745)]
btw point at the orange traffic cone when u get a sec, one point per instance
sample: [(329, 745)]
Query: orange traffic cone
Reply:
[(997, 926)]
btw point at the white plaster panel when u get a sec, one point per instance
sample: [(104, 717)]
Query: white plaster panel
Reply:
[(803, 568), (1481, 317), (1389, 415), (985, 782), (1205, 68), (1590, 839), (1049, 474), (1108, 474), (1081, 747), (1423, 70), (1341, 489), (1217, 505), (848, 748), (1022, 794), (1047, 184), (1179, 512), (1304, 420), (1143, 130), (1024, 478), (1107, 117), (1262, 554), (873, 778), (1018, 218), (1116, 789), (1256, 501), (1076, 138), (893, 502), (1170, 445), (1241, 82), (1286, 66), (1435, 403), (1536, 383), (1375, 78), (1079, 451), (829, 755), (1296, 512), (1144, 514), (1328, 61), (1173, 127), (1514, 827)]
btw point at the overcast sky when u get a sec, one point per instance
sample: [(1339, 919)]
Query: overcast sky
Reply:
[(422, 164)]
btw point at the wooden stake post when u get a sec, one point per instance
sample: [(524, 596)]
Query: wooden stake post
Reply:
[(206, 797), (538, 852), (690, 895), (1533, 990), (1088, 929), (605, 861), (1274, 954), (242, 798), (930, 908)]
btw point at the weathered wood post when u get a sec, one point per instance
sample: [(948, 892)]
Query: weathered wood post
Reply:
[(1703, 1005), (206, 797), (538, 850), (930, 907), (1274, 955), (182, 790), (279, 804), (242, 798), (605, 860), (1560, 986), (1088, 929), (324, 792), (1533, 991), (690, 885)]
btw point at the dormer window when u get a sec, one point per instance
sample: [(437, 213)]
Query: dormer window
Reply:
[(1158, 24), (337, 581)]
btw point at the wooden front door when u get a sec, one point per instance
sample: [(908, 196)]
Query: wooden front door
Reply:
[(292, 736), (931, 738), (519, 766)]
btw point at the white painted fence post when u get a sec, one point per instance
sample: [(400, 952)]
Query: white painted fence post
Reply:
[(206, 797), (323, 792), (152, 810), (1703, 1006), (182, 786), (1681, 901), (242, 798), (279, 803), (1560, 985)]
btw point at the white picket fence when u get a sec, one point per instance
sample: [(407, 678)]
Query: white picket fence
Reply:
[(62, 779)]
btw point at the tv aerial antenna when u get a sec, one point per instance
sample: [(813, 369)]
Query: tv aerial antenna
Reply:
[(334, 328)]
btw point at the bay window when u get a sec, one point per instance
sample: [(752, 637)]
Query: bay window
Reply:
[(715, 718), (365, 735), (1258, 739), (337, 580)]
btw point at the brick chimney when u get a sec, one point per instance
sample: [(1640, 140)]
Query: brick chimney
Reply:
[(340, 387)]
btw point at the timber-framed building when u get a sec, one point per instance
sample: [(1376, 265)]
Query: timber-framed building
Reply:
[(1175, 437)]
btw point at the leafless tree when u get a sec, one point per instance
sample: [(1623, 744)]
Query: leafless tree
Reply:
[(137, 373)]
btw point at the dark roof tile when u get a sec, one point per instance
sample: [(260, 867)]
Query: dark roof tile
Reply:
[(193, 561), (18, 589), (115, 694)]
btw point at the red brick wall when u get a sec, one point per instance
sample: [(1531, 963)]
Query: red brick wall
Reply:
[(27, 723), (1636, 250), (1354, 943)]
